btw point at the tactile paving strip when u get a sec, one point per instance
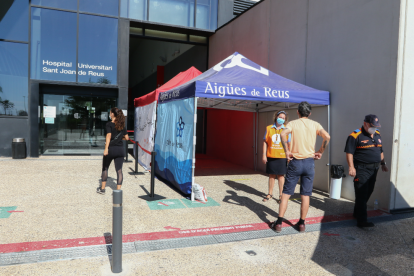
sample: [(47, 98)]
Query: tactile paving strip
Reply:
[(241, 236), (62, 254), (142, 246), (145, 246)]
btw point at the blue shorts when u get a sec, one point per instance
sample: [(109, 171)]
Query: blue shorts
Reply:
[(303, 168)]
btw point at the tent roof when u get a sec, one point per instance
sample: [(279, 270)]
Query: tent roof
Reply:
[(179, 79), (239, 82)]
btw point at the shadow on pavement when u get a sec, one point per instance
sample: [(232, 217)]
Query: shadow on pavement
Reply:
[(261, 211), (355, 251), (110, 182), (243, 187), (132, 172)]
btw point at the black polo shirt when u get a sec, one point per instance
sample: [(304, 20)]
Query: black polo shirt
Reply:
[(364, 148)]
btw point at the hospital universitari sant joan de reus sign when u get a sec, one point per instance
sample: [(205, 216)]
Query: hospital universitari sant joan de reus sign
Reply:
[(61, 67)]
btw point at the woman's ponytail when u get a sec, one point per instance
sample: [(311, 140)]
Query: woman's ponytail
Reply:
[(119, 118)]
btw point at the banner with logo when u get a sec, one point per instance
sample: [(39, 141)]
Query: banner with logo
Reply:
[(174, 143), (144, 130), (238, 78)]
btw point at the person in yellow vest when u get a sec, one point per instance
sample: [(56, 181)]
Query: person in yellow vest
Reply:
[(274, 155)]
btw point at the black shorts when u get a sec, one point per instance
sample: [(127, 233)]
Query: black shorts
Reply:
[(276, 166)]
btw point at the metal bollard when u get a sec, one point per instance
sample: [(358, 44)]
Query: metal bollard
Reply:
[(152, 172), (136, 157), (117, 232)]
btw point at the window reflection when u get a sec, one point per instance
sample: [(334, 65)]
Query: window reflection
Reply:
[(135, 9), (108, 7), (13, 79), (176, 12), (14, 19), (60, 4), (98, 44), (207, 14), (53, 47)]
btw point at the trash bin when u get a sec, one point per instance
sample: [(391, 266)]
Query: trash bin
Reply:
[(337, 172), (19, 148)]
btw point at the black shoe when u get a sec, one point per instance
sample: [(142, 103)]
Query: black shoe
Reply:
[(365, 224), (300, 227), (276, 227), (100, 191)]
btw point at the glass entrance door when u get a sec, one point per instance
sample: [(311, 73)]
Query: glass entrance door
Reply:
[(73, 125)]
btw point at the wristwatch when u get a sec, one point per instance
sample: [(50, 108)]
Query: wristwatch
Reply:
[(383, 162)]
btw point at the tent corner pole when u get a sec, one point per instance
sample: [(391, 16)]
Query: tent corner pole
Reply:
[(254, 140), (329, 145), (256, 137), (194, 149)]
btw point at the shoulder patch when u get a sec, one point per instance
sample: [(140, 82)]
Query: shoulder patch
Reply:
[(377, 132), (356, 133)]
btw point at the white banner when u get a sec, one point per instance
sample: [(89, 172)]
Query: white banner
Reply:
[(144, 130)]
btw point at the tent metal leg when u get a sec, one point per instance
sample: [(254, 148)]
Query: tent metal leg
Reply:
[(329, 145), (254, 139), (194, 148), (257, 133)]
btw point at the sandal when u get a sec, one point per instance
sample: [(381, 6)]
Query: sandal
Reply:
[(267, 198), (279, 200)]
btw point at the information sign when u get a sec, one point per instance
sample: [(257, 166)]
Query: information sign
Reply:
[(49, 112)]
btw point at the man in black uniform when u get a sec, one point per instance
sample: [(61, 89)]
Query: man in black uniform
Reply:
[(364, 156)]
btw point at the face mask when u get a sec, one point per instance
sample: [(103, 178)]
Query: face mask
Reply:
[(372, 130), (280, 121)]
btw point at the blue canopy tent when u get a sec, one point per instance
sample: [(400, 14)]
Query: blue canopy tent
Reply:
[(236, 83)]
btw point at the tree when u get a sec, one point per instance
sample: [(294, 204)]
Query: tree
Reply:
[(6, 105), (104, 80), (22, 113)]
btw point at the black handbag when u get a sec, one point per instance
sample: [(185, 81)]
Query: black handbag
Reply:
[(117, 138), (337, 171)]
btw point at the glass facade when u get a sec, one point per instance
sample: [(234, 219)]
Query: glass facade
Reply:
[(77, 125), (76, 42), (53, 46), (174, 12), (14, 84), (59, 4), (134, 9), (14, 20), (207, 14), (98, 49), (107, 7)]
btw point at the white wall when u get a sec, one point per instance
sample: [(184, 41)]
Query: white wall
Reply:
[(402, 195), (352, 52), (346, 47)]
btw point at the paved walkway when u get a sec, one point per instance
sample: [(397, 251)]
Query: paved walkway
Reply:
[(54, 205), (385, 250), (59, 201)]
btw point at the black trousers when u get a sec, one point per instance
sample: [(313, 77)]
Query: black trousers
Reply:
[(364, 183), (117, 154)]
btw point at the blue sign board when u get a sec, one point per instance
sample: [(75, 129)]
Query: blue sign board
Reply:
[(174, 143)]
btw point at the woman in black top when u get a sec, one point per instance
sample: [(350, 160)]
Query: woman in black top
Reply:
[(114, 150)]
